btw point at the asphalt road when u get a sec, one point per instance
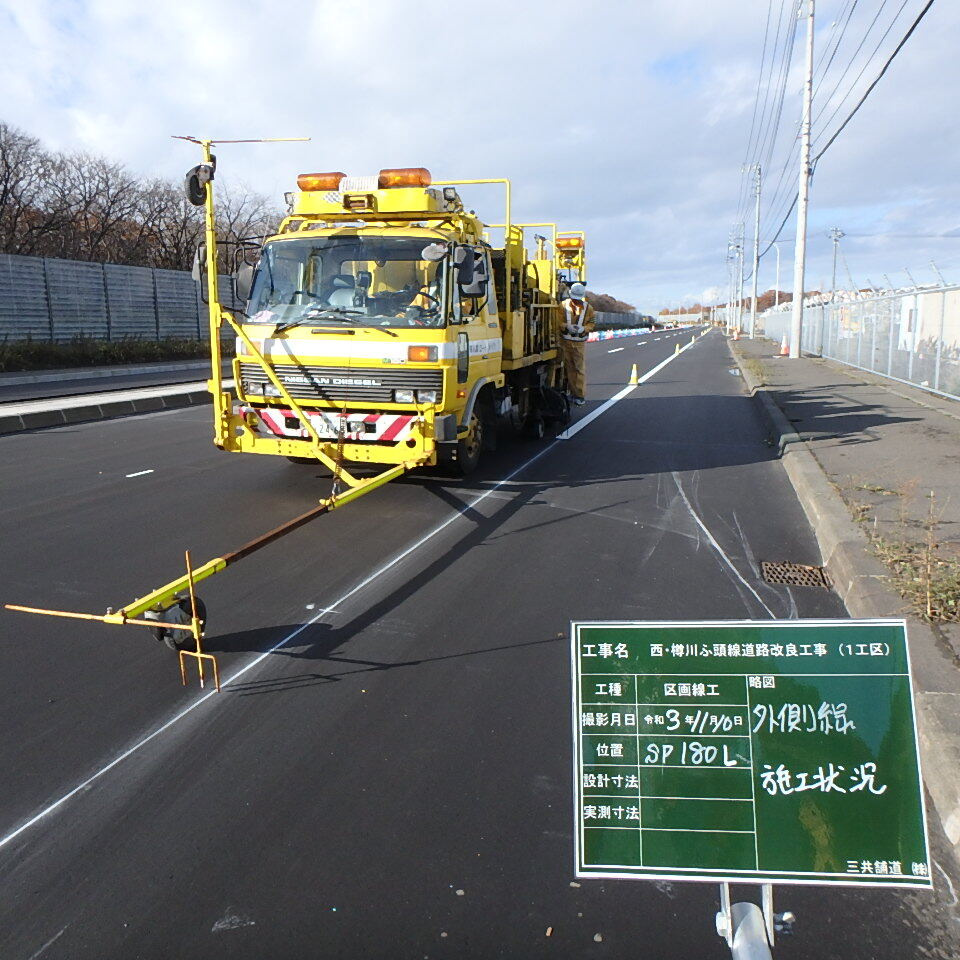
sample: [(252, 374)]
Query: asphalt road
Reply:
[(387, 771)]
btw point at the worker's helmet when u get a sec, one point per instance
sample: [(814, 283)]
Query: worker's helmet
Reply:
[(578, 291)]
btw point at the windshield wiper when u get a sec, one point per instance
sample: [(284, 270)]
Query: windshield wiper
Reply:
[(337, 313)]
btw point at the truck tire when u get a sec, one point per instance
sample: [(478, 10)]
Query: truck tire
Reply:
[(534, 427), (470, 447)]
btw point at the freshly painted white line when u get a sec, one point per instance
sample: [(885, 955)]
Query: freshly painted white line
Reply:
[(716, 546), (139, 473), (617, 397), (49, 943), (399, 558), (616, 349)]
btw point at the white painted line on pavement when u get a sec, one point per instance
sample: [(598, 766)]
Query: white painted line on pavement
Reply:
[(389, 565), (616, 349), (139, 473)]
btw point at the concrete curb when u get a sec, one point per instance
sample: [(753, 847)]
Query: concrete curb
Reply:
[(862, 582), (59, 416)]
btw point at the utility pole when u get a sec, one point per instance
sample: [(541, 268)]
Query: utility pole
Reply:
[(756, 255), (803, 195), (740, 242)]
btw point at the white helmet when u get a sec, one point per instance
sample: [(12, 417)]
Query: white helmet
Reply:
[(578, 291)]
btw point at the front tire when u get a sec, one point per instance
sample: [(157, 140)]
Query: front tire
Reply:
[(470, 447)]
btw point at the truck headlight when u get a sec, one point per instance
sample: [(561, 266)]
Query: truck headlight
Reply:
[(427, 396), (251, 387), (403, 396), (269, 390)]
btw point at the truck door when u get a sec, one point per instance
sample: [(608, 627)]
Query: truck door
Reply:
[(475, 310)]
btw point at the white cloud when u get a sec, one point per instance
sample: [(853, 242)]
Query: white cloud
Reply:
[(627, 119)]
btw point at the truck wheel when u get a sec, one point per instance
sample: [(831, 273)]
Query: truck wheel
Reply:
[(470, 447), (534, 427)]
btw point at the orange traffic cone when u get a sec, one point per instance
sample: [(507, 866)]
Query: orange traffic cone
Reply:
[(784, 349)]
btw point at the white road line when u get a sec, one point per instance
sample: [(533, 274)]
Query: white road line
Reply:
[(617, 397), (616, 349), (140, 473), (399, 558)]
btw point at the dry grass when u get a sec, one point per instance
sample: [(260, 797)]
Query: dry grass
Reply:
[(923, 575)]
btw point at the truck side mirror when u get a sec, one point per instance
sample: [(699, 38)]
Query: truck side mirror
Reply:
[(477, 284), (464, 259), (243, 282)]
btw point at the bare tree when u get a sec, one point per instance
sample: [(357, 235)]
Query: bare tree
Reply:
[(24, 169)]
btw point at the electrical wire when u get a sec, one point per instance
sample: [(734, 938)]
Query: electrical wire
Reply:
[(876, 80), (829, 99), (757, 147)]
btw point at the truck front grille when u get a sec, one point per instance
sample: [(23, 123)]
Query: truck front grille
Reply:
[(344, 384)]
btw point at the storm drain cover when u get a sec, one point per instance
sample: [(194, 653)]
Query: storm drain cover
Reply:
[(794, 574)]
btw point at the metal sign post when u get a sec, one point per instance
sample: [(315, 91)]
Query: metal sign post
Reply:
[(747, 752)]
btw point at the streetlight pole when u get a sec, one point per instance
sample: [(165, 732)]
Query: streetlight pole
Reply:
[(803, 195)]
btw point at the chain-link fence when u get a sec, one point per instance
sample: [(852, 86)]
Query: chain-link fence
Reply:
[(913, 336), (60, 300)]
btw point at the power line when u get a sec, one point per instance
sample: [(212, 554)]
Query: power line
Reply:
[(863, 69), (765, 127), (877, 79), (836, 45)]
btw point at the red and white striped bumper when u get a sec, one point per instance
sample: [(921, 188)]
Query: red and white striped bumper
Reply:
[(360, 427)]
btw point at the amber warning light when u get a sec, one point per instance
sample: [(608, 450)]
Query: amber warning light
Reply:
[(404, 177), (569, 243), (320, 181)]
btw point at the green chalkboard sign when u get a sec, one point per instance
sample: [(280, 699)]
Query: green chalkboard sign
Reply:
[(747, 751)]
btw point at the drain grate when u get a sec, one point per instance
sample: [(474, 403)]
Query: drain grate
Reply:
[(794, 574)]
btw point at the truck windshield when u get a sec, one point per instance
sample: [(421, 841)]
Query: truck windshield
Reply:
[(366, 281)]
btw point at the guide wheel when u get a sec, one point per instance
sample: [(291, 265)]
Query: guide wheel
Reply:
[(178, 613)]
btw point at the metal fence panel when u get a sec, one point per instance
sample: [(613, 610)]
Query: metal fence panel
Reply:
[(23, 299), (78, 299), (130, 297), (910, 336), (177, 308), (47, 299)]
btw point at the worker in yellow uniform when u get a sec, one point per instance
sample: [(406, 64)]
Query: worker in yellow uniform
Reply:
[(577, 324)]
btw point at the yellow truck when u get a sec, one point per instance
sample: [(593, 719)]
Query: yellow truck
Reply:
[(382, 328), (378, 330)]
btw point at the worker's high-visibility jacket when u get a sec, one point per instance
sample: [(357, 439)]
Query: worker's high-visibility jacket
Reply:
[(577, 324)]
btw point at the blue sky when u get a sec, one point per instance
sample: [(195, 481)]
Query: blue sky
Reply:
[(629, 120)]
